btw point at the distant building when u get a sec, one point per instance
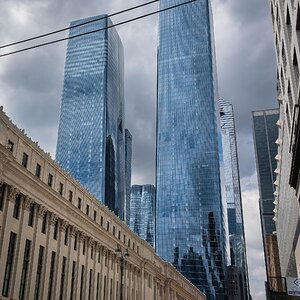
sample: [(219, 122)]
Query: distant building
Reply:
[(190, 231), (286, 25), (128, 162), (234, 200), (90, 143), (142, 207), (57, 241), (265, 132)]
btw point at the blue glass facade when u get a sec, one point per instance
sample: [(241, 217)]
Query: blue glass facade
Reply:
[(90, 137), (128, 159), (189, 215), (233, 197), (265, 132), (142, 211)]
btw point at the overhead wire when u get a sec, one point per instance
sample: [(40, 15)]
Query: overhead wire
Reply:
[(78, 25), (97, 30)]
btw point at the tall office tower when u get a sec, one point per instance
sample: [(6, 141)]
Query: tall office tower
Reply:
[(265, 132), (142, 212), (286, 24), (189, 216), (234, 201), (90, 141), (128, 159)]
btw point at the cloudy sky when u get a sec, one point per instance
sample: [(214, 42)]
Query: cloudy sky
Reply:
[(31, 83)]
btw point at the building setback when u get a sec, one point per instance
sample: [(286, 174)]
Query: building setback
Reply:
[(142, 207), (189, 216), (286, 25), (90, 143), (57, 241), (237, 241)]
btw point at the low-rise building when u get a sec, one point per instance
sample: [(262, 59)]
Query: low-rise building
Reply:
[(58, 242)]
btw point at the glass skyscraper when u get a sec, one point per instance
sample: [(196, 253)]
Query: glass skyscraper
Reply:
[(128, 159), (265, 132), (189, 215), (142, 211), (90, 141), (233, 197)]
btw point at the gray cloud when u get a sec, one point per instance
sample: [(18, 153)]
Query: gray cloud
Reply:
[(31, 82)]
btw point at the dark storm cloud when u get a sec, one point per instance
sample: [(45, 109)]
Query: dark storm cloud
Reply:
[(31, 83), (246, 66)]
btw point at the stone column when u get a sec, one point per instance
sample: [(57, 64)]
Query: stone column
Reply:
[(27, 202), (62, 229), (9, 207), (41, 210), (52, 218)]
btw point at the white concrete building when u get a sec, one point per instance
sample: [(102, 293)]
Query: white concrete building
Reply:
[(286, 24)]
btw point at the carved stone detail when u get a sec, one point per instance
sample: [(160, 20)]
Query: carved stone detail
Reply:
[(27, 203), (63, 225), (74, 230), (41, 211), (12, 193), (53, 218), (82, 237)]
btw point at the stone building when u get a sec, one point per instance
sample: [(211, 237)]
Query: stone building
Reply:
[(58, 242)]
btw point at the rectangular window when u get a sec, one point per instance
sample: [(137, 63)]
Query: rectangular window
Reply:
[(24, 269), (25, 160), (107, 228), (111, 291), (104, 287), (73, 280), (2, 191), (101, 221), (16, 213), (38, 169), (9, 264), (99, 255), (95, 215), (98, 286), (66, 236), (44, 224), (92, 252), (87, 211), (10, 146), (114, 230), (75, 242), (55, 230), (119, 235), (81, 283), (51, 275), (61, 188), (50, 179), (70, 196), (31, 215), (79, 203), (90, 284), (129, 243), (62, 278), (39, 274), (83, 248)]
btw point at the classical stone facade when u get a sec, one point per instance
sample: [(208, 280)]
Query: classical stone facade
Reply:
[(286, 24), (58, 242)]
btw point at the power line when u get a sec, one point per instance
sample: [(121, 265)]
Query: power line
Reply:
[(97, 30), (74, 26)]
